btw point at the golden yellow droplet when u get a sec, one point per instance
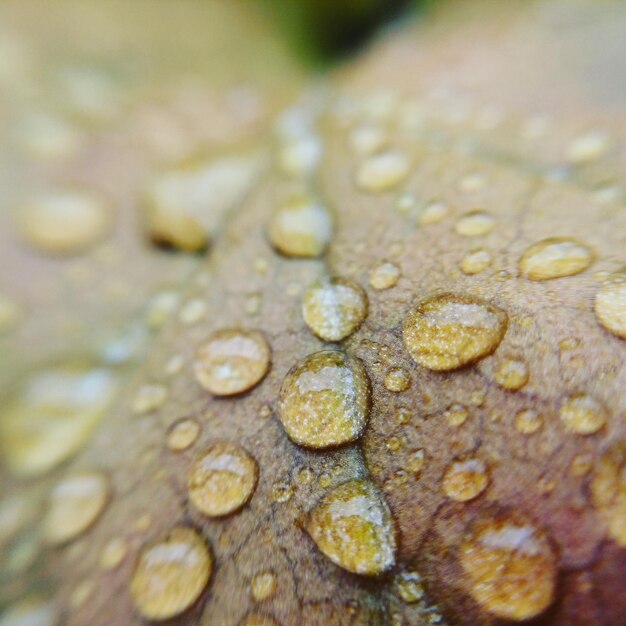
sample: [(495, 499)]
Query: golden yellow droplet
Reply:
[(325, 400), (306, 476), (384, 276), (281, 492), (65, 222), (263, 586), (476, 261), (448, 331), (301, 228), (403, 415), (149, 398), (397, 379), (416, 461), (581, 464), (610, 305), (608, 490), (582, 414), (383, 171), (528, 421), (510, 567), (334, 308), (555, 258), (232, 361), (475, 224), (433, 213), (512, 374), (465, 480), (222, 479), (352, 526), (456, 414), (74, 505), (393, 443), (113, 553), (408, 586), (183, 434), (170, 574)]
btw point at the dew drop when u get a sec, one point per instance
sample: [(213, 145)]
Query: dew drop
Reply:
[(263, 586), (353, 527), (528, 421), (325, 400), (456, 414), (475, 224), (301, 228), (183, 434), (448, 331), (306, 476), (512, 374), (170, 574), (408, 586), (608, 490), (610, 306), (582, 414), (65, 222), (222, 479), (465, 480), (581, 464), (53, 415), (510, 567), (149, 398), (433, 213), (476, 261), (555, 258), (113, 553), (384, 276), (403, 415), (74, 505), (393, 443), (383, 171), (334, 308), (397, 379), (281, 492), (232, 361)]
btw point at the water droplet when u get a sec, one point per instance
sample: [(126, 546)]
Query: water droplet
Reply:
[(581, 464), (448, 331), (416, 461), (475, 224), (32, 611), (183, 434), (193, 311), (300, 156), (222, 479), (393, 443), (587, 147), (113, 553), (528, 421), (456, 414), (610, 306), (433, 213), (582, 414), (384, 276), (255, 619), (74, 505), (465, 480), (301, 228), (512, 374), (352, 526), (174, 365), (263, 586), (143, 523), (555, 258), (397, 379), (334, 308), (325, 400), (161, 307), (476, 261), (232, 361), (281, 492), (53, 415), (608, 490), (472, 182), (382, 171), (408, 586), (170, 574), (65, 222), (403, 415), (367, 139), (325, 480), (510, 566), (149, 398)]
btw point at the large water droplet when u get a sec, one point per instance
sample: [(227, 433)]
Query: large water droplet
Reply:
[(447, 331), (325, 400), (222, 479), (232, 360), (555, 258), (334, 308), (352, 526), (170, 574)]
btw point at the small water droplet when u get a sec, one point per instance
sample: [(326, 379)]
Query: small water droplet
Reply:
[(472, 182), (263, 586), (81, 593), (587, 147), (74, 505), (510, 567), (408, 586), (433, 213), (300, 156), (367, 139), (512, 374), (475, 224), (353, 527), (174, 365), (555, 258), (193, 311), (306, 476), (476, 261), (416, 461), (334, 308), (456, 414), (325, 400), (610, 305), (301, 228), (465, 480), (170, 574), (232, 361), (403, 415), (393, 443), (182, 434), (383, 171), (448, 331), (581, 464), (397, 379), (384, 276), (149, 398), (528, 421), (113, 553), (162, 305), (281, 492), (582, 414)]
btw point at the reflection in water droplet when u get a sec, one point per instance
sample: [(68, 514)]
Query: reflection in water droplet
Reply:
[(555, 258), (582, 414)]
